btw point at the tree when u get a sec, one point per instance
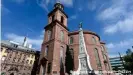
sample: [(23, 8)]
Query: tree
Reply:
[(128, 51), (128, 65), (69, 61)]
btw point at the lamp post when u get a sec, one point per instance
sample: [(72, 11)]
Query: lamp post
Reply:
[(121, 59)]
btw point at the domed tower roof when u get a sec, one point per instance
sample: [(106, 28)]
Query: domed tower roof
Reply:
[(59, 5)]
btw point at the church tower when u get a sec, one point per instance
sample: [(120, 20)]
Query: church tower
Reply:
[(52, 59)]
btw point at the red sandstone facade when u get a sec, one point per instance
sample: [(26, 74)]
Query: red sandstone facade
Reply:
[(57, 38), (90, 45)]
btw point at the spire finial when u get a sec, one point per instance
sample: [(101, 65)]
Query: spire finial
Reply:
[(25, 40), (80, 25)]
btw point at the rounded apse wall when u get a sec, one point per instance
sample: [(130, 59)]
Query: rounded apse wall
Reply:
[(92, 42)]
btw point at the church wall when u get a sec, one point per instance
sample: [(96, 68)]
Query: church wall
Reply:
[(90, 45), (92, 41), (75, 47), (55, 45)]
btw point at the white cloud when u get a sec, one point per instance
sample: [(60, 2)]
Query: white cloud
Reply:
[(42, 34), (122, 46), (115, 10), (73, 17), (110, 45), (68, 3), (115, 55), (36, 42), (118, 16), (111, 13), (110, 29), (92, 4), (4, 10), (43, 4), (121, 26)]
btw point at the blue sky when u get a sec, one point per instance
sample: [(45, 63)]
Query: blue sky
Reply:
[(111, 19)]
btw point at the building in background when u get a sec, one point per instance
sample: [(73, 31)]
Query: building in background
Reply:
[(18, 59), (117, 63), (58, 40)]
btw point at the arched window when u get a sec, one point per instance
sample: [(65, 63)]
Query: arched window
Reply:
[(93, 40), (46, 51), (62, 19), (102, 48), (53, 18), (49, 68), (97, 57), (3, 58), (103, 52), (105, 57), (43, 70), (31, 62), (72, 53), (49, 35), (27, 61), (61, 57), (62, 36), (61, 52), (13, 74), (3, 73), (1, 49), (71, 40)]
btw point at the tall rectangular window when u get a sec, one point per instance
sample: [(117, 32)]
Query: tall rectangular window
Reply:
[(61, 58), (97, 58), (53, 18), (31, 62), (49, 68), (102, 52), (43, 70), (94, 40), (62, 36), (62, 19), (71, 40), (46, 51), (49, 35)]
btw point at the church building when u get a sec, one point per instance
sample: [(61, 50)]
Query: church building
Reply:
[(60, 48)]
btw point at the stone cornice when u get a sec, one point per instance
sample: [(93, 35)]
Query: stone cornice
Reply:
[(56, 10), (54, 23), (47, 42), (85, 32), (86, 44), (13, 48), (102, 42)]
